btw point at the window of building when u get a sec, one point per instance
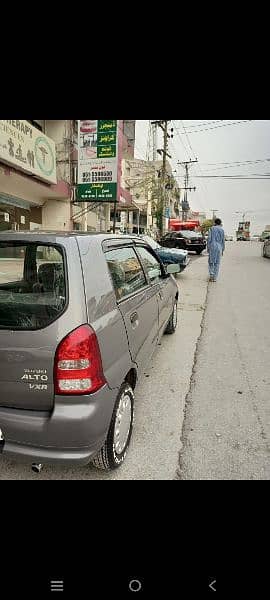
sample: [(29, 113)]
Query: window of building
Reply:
[(118, 216)]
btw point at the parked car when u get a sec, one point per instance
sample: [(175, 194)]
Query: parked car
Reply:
[(228, 238), (80, 317), (266, 249), (187, 240), (265, 236), (167, 255)]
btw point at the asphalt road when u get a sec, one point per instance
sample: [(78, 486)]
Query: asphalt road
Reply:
[(160, 398), (226, 433)]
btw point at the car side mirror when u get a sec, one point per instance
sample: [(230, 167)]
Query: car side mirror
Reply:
[(172, 268)]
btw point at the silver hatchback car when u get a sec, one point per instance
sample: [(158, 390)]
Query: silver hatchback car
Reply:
[(80, 317)]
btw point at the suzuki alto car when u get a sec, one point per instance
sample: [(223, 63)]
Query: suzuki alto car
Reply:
[(80, 317)]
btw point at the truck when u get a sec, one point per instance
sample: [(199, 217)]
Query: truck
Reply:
[(243, 231)]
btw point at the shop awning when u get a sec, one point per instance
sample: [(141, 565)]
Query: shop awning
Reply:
[(12, 201)]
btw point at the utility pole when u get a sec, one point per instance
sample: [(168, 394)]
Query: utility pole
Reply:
[(185, 204), (163, 203), (164, 151), (186, 165), (154, 132), (214, 210), (114, 215)]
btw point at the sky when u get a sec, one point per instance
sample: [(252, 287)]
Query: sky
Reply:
[(215, 142)]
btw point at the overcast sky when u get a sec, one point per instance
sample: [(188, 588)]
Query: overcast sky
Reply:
[(221, 142)]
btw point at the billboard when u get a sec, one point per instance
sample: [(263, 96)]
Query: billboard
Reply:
[(97, 161), (27, 149)]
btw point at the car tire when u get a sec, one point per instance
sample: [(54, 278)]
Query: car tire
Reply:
[(172, 323), (199, 251), (113, 452)]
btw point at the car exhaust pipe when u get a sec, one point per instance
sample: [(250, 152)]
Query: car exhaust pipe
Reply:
[(36, 467)]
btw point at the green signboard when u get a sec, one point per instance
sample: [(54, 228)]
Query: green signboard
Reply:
[(97, 191), (105, 126), (106, 151), (97, 161)]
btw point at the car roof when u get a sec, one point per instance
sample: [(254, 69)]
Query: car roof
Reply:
[(54, 236)]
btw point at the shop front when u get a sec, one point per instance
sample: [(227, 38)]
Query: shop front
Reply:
[(14, 214), (30, 195)]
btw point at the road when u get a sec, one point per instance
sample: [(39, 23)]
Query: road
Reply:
[(202, 408), (226, 433), (160, 398)]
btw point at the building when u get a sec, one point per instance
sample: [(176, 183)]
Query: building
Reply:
[(38, 177), (143, 181), (125, 202), (35, 175)]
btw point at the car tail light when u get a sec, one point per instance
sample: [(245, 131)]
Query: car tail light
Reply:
[(78, 364)]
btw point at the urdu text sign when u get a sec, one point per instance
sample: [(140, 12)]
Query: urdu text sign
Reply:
[(97, 161)]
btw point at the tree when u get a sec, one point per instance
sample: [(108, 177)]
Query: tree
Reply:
[(205, 226)]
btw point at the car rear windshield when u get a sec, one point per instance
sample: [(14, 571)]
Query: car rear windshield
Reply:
[(191, 234), (32, 285)]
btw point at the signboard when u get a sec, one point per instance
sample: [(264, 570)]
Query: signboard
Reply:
[(97, 161), (26, 148)]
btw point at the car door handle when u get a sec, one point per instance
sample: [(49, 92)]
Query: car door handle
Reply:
[(134, 317)]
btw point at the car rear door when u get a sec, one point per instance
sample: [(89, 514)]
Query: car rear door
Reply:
[(166, 240), (179, 241), (37, 310), (161, 285), (137, 302)]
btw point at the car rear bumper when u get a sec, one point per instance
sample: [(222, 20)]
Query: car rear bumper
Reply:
[(195, 247), (72, 434)]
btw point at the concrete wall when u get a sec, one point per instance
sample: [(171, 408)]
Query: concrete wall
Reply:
[(60, 132), (56, 215)]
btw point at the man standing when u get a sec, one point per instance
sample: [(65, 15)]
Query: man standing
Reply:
[(215, 247)]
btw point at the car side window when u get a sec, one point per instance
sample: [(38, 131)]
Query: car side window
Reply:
[(126, 271), (150, 263)]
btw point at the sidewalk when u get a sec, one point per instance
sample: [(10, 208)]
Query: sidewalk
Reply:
[(226, 432)]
